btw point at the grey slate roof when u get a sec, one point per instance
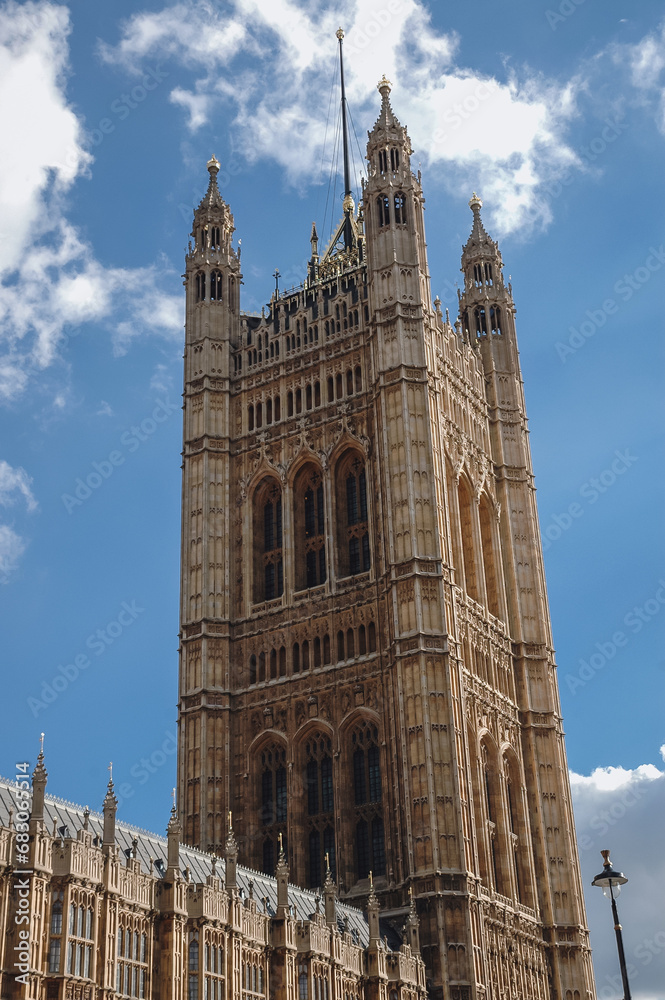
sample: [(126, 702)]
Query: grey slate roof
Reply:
[(59, 813)]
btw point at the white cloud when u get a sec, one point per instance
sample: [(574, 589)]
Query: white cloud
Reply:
[(105, 409), (12, 548), (50, 280), (14, 485), (505, 137), (645, 61), (623, 810), (13, 482)]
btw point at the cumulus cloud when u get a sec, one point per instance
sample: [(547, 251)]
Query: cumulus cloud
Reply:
[(623, 810), (507, 137), (50, 280), (15, 485)]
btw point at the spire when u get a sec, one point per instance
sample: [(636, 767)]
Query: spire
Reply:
[(373, 913), (348, 200), (231, 856), (282, 877), (329, 893), (412, 935), (110, 808), (173, 834), (479, 242), (212, 197), (387, 127), (39, 777)]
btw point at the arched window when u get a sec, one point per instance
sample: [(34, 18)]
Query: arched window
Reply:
[(200, 282), (215, 238), (383, 161), (331, 389), (359, 379), (481, 322), (340, 646), (372, 637), (366, 779), (282, 661), (352, 518), (317, 394), (193, 970), (278, 409), (394, 159), (295, 663), (362, 641), (489, 563), (466, 526), (252, 669), (309, 525), (400, 209), (216, 286), (272, 802), (289, 404), (269, 411), (320, 809), (349, 383), (268, 563), (326, 648), (383, 210)]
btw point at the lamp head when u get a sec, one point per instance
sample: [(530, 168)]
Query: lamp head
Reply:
[(609, 880)]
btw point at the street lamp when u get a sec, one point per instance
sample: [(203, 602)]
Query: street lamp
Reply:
[(610, 881)]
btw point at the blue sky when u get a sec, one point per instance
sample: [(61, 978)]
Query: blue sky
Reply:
[(554, 113)]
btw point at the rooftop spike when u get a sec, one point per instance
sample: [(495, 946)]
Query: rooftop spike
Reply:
[(348, 200)]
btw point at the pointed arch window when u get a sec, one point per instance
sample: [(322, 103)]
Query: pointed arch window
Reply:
[(318, 780), (367, 794), (272, 802), (309, 520), (353, 524), (383, 210), (383, 161), (200, 285), (268, 559), (400, 209), (495, 320), (215, 238), (394, 159)]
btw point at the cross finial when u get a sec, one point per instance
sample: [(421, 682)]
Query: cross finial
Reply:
[(110, 770), (41, 745), (276, 275)]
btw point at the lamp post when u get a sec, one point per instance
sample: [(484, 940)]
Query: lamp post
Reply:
[(610, 881)]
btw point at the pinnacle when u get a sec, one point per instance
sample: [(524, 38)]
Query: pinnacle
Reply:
[(479, 238), (212, 197)]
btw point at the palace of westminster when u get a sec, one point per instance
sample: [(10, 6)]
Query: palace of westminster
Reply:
[(373, 798)]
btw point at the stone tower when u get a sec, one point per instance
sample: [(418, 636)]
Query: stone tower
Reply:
[(367, 676)]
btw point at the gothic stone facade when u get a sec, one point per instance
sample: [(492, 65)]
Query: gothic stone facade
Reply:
[(103, 911), (367, 669)]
